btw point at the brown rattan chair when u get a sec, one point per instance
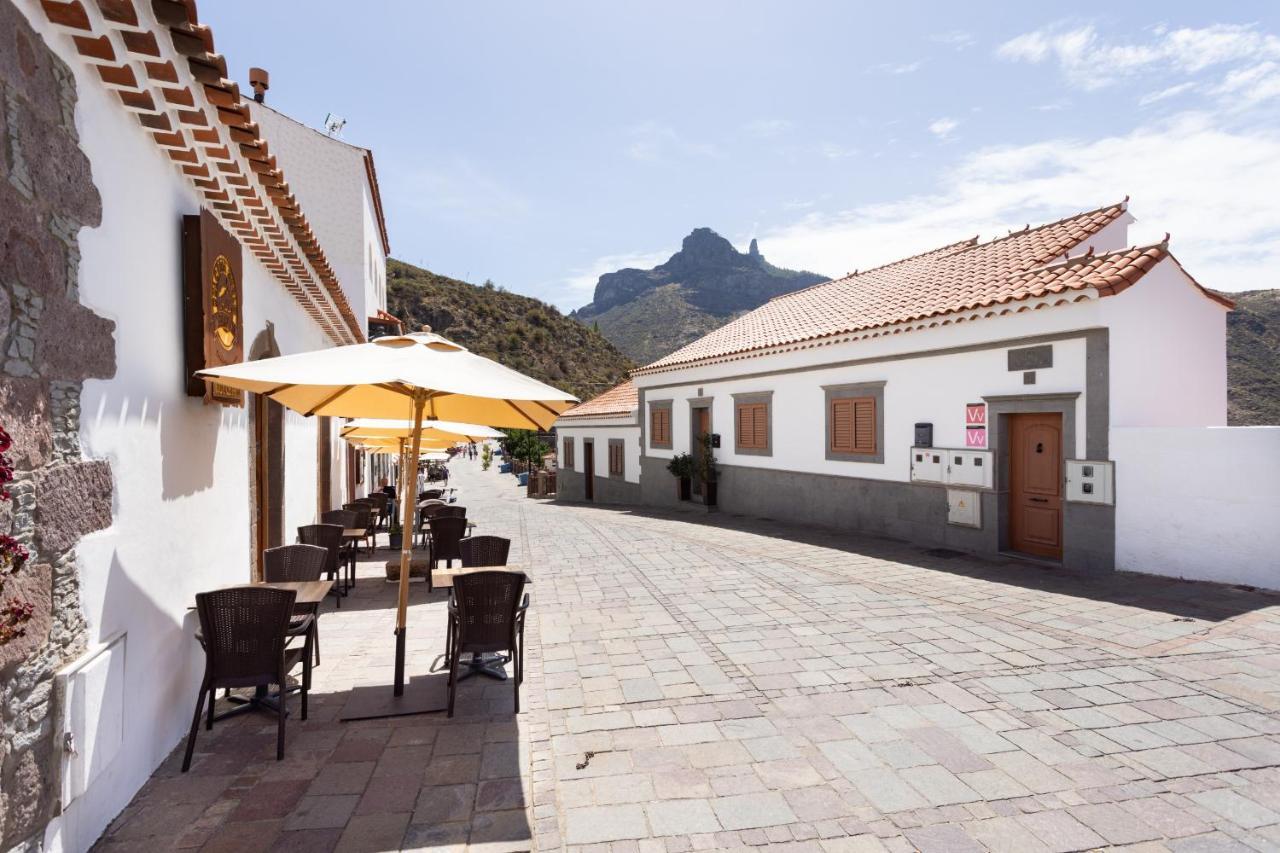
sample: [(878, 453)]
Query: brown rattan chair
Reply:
[(364, 519), (380, 503), (446, 533), (486, 615), (427, 512), (431, 495), (244, 631), (348, 520), (298, 564), (484, 551)]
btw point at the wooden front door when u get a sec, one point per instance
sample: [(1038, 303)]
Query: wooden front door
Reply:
[(1035, 484), (701, 426), (268, 466), (589, 470)]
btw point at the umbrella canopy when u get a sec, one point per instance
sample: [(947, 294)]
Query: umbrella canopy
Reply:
[(380, 379), (436, 456), (447, 430), (420, 375), (396, 445)]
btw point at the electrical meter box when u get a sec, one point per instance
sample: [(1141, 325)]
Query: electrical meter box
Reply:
[(928, 464), (964, 508), (1090, 482), (969, 468)]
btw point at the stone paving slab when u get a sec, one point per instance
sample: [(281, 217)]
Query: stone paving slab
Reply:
[(700, 682)]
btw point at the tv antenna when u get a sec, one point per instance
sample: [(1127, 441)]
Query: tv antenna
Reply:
[(333, 125)]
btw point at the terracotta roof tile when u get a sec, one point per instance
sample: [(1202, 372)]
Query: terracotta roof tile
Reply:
[(959, 277), (619, 400)]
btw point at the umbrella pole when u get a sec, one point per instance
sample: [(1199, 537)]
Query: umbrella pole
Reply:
[(409, 481)]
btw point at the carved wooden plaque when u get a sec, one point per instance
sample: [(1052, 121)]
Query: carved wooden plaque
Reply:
[(212, 295)]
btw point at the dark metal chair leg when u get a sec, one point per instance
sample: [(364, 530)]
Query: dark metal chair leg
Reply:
[(282, 712), (195, 726)]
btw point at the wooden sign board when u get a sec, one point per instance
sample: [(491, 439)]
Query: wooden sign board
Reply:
[(212, 296)]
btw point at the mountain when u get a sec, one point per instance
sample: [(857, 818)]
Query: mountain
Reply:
[(649, 313), (523, 333), (1253, 358)]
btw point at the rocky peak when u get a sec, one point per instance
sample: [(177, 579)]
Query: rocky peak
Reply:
[(754, 251), (704, 247)]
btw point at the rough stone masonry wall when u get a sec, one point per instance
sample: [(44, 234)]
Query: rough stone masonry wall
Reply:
[(49, 344)]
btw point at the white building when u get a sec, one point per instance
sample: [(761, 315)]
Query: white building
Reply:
[(971, 398), (598, 449), (134, 494)]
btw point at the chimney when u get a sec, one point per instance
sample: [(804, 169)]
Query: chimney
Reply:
[(260, 80)]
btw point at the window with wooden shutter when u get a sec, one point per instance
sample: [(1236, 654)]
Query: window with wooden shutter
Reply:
[(660, 426), (753, 426), (616, 449), (853, 425), (568, 453)]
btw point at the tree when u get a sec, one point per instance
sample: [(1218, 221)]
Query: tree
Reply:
[(525, 445)]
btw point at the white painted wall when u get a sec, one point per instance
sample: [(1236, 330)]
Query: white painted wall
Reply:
[(330, 180), (1199, 503), (180, 469), (927, 389), (1168, 352), (599, 431)]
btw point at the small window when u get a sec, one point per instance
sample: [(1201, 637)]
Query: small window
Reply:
[(616, 457), (660, 425), (753, 426), (568, 453), (853, 425)]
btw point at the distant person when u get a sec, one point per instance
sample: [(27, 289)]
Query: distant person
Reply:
[(390, 491)]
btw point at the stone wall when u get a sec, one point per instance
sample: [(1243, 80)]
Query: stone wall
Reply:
[(49, 344)]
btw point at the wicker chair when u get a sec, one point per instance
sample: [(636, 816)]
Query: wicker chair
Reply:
[(446, 533), (244, 631), (431, 495), (486, 615), (364, 519), (348, 519), (297, 564), (484, 551), (425, 514)]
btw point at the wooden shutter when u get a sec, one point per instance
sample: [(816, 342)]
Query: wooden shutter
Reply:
[(568, 453), (615, 458), (853, 425), (753, 426), (660, 426)]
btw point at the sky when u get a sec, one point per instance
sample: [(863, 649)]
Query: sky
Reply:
[(538, 145)]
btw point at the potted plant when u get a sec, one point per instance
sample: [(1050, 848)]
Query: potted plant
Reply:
[(706, 466), (681, 467)]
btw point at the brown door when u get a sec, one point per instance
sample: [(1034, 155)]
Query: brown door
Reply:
[(701, 426), (589, 470), (1035, 484), (268, 464)]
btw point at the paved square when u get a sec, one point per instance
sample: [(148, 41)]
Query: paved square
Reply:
[(709, 682)]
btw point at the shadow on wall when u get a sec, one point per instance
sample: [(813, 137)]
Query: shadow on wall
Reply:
[(1195, 599), (189, 433)]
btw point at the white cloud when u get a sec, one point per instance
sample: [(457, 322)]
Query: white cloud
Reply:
[(898, 67), (766, 128), (1212, 188), (1090, 62), (1245, 88), (836, 151), (1165, 94), (959, 39), (943, 127), (653, 141), (578, 287)]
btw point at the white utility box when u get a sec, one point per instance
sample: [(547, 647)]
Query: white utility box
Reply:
[(92, 724), (1090, 482), (928, 464), (969, 468), (964, 508)]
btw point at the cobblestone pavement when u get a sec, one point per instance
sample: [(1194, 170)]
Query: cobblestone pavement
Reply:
[(708, 682)]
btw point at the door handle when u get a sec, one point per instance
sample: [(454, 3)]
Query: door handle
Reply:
[(1041, 500)]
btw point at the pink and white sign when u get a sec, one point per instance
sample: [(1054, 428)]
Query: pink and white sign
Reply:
[(975, 425)]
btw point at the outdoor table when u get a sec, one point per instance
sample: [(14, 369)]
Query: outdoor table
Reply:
[(486, 664), (309, 592)]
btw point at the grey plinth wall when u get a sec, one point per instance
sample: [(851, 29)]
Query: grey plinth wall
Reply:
[(571, 488)]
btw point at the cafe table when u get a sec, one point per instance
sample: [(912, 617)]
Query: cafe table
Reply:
[(308, 593), (486, 664)]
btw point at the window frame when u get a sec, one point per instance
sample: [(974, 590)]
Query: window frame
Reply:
[(753, 399), (656, 406), (873, 391), (570, 453)]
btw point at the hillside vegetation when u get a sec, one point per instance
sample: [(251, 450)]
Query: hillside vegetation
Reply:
[(1253, 358), (523, 333)]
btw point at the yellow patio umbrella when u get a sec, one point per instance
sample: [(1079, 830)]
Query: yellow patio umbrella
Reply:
[(444, 430), (422, 375)]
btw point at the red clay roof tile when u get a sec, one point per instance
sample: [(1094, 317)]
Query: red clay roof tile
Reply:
[(619, 400)]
